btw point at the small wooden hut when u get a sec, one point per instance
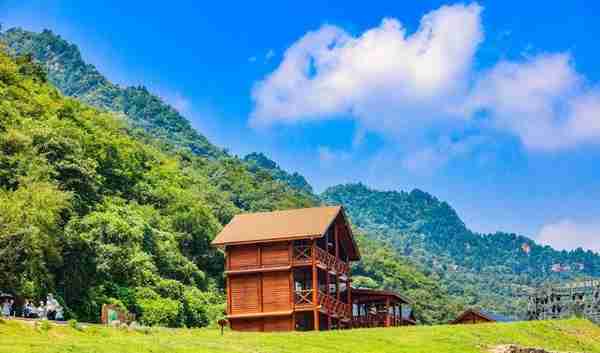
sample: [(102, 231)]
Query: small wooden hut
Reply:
[(475, 316)]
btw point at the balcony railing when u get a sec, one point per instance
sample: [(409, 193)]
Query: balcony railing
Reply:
[(303, 297), (334, 307), (303, 254), (328, 303)]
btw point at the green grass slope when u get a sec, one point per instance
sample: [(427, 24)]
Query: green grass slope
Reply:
[(568, 335)]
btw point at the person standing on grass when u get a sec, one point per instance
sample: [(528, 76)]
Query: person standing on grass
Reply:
[(27, 308), (6, 307), (42, 310), (51, 305)]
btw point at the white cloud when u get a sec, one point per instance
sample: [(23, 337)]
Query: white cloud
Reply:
[(400, 85), (542, 100), (383, 77), (569, 235)]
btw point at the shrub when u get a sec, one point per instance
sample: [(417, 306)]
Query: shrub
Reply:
[(160, 312), (202, 308), (170, 288)]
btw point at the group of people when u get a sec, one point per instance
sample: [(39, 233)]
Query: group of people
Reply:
[(50, 309)]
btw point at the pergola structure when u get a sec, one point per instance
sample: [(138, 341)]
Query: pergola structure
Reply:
[(375, 308)]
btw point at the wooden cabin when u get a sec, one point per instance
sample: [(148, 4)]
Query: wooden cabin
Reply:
[(474, 316), (290, 270)]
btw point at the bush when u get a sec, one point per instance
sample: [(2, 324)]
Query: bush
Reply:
[(170, 288), (202, 308), (160, 312)]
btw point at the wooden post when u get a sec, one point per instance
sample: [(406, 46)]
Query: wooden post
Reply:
[(337, 258), (387, 312), (228, 280), (400, 313), (292, 284), (315, 281)]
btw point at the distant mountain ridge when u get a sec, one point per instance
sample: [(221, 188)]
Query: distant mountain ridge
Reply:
[(492, 269)]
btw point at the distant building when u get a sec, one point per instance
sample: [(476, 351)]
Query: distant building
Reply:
[(290, 270), (474, 316), (562, 301)]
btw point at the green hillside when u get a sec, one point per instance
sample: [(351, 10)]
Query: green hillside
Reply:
[(98, 212), (564, 336), (75, 78), (489, 270)]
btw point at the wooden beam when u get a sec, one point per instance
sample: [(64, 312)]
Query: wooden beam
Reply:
[(258, 270)]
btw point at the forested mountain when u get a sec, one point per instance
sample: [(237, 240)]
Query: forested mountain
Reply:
[(295, 180), (96, 211), (490, 270), (97, 214), (67, 70), (75, 78)]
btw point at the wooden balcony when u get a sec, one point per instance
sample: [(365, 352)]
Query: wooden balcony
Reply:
[(303, 300), (333, 307), (303, 255)]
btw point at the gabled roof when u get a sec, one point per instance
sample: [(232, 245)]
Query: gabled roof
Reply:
[(483, 314), (495, 317), (283, 225), (358, 292)]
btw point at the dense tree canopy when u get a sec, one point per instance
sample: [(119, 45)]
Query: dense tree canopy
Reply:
[(97, 212)]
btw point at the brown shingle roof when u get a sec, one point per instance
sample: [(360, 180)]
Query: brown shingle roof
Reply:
[(277, 225), (358, 292), (285, 225)]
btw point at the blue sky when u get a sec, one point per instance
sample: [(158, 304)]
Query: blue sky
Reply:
[(492, 106)]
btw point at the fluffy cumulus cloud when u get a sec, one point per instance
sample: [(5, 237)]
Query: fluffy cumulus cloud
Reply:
[(394, 82), (542, 100), (569, 235), (382, 77)]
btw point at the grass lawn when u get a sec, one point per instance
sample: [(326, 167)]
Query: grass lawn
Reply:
[(567, 335)]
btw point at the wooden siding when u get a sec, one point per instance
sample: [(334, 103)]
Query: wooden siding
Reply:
[(266, 324), (275, 254), (244, 294), (250, 325), (277, 323), (243, 257), (276, 291)]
